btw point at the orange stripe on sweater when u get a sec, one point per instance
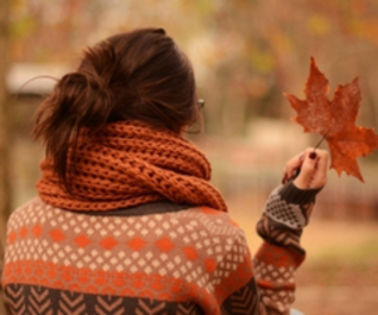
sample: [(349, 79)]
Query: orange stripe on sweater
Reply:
[(278, 256)]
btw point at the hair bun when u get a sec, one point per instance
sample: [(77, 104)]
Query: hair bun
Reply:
[(85, 98), (95, 82), (160, 31)]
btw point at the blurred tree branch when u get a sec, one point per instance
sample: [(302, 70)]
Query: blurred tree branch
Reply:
[(4, 147)]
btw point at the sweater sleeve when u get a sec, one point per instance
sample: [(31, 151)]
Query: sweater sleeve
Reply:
[(286, 213)]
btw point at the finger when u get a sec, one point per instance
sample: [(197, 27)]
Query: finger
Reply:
[(309, 164), (293, 164), (308, 170), (323, 161), (320, 177)]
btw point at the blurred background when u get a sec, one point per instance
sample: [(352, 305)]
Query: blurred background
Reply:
[(245, 55)]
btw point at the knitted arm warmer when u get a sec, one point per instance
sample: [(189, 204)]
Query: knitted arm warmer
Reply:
[(286, 212)]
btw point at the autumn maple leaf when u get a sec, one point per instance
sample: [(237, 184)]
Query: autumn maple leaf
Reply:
[(335, 120)]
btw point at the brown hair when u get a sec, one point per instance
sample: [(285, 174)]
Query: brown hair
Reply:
[(139, 75)]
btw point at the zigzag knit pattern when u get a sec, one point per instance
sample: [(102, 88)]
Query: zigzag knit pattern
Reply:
[(130, 163), (37, 300)]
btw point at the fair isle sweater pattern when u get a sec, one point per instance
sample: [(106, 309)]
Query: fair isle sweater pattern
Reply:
[(185, 260)]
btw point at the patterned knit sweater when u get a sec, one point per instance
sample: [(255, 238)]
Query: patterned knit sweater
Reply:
[(157, 258)]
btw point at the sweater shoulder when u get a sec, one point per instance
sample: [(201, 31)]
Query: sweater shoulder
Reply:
[(214, 222), (219, 237), (25, 213), (211, 232)]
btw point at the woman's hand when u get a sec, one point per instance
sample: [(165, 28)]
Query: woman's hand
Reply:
[(312, 166)]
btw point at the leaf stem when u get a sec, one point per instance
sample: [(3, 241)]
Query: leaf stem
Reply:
[(322, 139), (319, 142)]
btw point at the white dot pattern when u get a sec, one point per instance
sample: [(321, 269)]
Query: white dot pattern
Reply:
[(152, 244)]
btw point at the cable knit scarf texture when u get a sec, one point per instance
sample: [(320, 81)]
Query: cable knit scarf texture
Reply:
[(128, 164)]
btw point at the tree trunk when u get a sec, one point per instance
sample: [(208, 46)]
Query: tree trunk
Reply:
[(4, 144)]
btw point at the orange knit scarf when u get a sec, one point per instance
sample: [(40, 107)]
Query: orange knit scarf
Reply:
[(128, 164)]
